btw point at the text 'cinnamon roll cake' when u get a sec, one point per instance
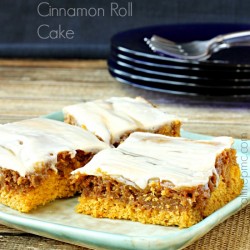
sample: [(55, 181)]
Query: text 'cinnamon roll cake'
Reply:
[(158, 179), (112, 120), (36, 159)]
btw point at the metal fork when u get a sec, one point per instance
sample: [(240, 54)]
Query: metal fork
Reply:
[(198, 50)]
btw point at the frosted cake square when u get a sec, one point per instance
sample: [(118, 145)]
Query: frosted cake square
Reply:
[(158, 179), (112, 120), (36, 159)]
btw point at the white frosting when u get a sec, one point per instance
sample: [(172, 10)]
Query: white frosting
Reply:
[(145, 156), (110, 119), (28, 143)]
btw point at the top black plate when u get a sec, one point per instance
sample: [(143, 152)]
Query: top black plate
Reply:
[(132, 42)]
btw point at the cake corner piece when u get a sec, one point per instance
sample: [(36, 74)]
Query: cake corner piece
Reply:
[(36, 159), (139, 182), (114, 119)]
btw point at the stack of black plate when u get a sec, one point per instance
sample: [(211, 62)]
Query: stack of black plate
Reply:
[(226, 73)]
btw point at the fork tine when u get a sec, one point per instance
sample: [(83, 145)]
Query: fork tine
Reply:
[(163, 40), (167, 46), (164, 46), (166, 52), (165, 43), (147, 40), (157, 41)]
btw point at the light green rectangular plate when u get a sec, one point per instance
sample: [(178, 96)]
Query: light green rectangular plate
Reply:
[(58, 220)]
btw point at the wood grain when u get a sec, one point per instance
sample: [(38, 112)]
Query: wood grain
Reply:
[(30, 88)]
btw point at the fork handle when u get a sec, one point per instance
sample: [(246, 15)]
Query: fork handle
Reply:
[(233, 38)]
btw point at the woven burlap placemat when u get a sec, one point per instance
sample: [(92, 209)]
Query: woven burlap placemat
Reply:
[(232, 234)]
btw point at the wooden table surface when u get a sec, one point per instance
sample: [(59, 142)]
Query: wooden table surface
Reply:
[(30, 88)]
